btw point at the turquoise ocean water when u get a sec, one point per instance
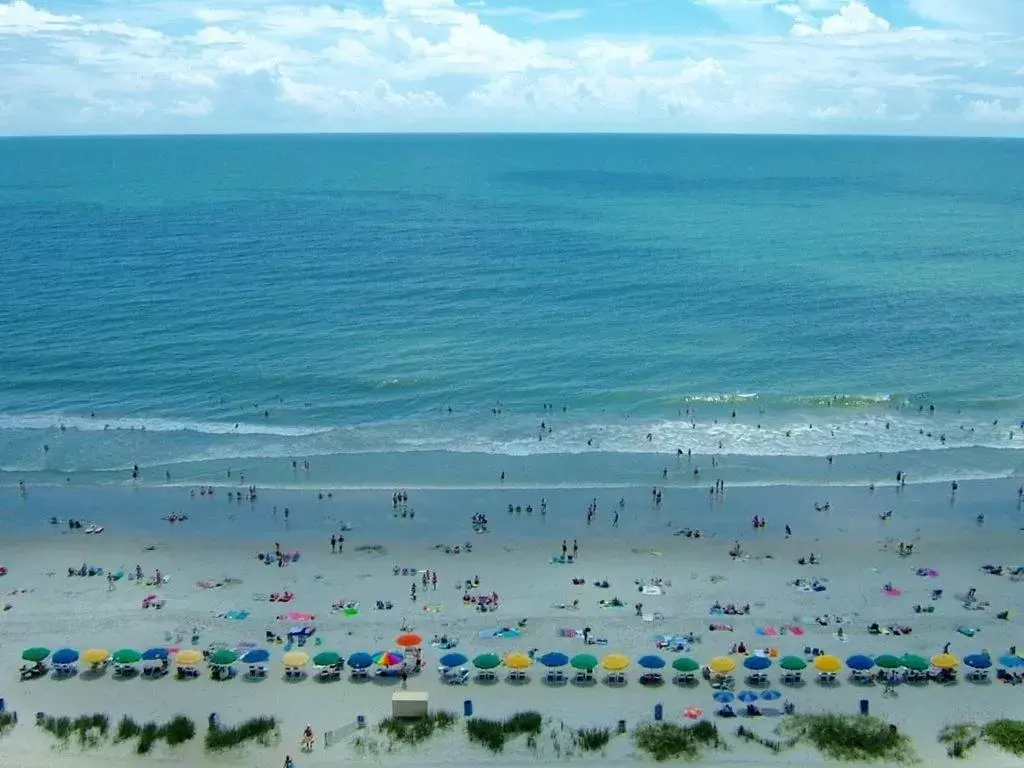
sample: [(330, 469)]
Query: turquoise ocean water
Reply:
[(159, 295)]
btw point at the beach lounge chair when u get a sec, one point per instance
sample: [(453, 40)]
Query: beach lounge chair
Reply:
[(977, 676), (616, 678), (862, 677), (583, 677), (555, 677), (455, 676), (792, 677), (360, 674), (757, 678), (517, 676), (685, 678), (486, 676), (256, 672), (65, 670)]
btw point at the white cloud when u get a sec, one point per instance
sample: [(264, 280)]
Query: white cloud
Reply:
[(443, 64), (20, 18), (995, 111), (854, 18), (529, 14)]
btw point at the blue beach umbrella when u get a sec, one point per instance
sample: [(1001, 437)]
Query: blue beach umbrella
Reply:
[(978, 661), (746, 696), (651, 662), (256, 656), (450, 660), (554, 659), (771, 695), (757, 663), (360, 660), (155, 654), (860, 662), (1011, 661), (65, 656), (723, 697)]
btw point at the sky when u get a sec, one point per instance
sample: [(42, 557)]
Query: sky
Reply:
[(930, 67)]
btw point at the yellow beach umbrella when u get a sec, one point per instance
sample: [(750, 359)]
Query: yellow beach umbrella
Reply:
[(188, 657), (615, 662), (517, 661), (722, 665), (95, 656), (945, 661), (296, 659), (828, 663)]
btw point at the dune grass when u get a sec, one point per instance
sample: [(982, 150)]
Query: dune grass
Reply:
[(1007, 735), (412, 732), (960, 739), (89, 730), (859, 738), (263, 730), (177, 730), (493, 734), (593, 739), (7, 721), (668, 741)]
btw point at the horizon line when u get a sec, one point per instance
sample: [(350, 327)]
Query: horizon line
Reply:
[(505, 134)]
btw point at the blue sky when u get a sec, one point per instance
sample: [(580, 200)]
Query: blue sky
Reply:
[(951, 67)]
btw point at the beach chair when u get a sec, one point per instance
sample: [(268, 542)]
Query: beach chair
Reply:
[(616, 678), (65, 670), (517, 676), (685, 678), (455, 676), (124, 670), (792, 677), (757, 678), (256, 672), (555, 677), (486, 676), (978, 676), (360, 674)]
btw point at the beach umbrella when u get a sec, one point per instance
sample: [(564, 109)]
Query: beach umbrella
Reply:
[(223, 657), (256, 656), (487, 661), (888, 661), (554, 659), (945, 661), (684, 664), (584, 661), (408, 640), (295, 659), (723, 697), (978, 661), (388, 659), (327, 658), (155, 654), (65, 656), (771, 695), (860, 662), (746, 696), (828, 663), (1011, 661), (126, 656), (35, 654), (914, 662), (360, 660), (615, 662), (98, 655), (651, 662), (517, 661), (453, 660), (793, 663), (185, 658), (757, 662), (722, 665)]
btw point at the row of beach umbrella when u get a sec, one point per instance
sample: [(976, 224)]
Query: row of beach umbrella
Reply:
[(613, 662)]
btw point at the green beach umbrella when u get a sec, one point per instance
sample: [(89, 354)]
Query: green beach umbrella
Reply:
[(888, 661), (35, 654), (487, 661), (223, 657), (327, 658), (684, 664), (793, 663), (584, 661), (126, 656), (916, 663)]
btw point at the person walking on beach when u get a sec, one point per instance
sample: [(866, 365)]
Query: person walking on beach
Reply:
[(575, 548), (615, 520), (565, 548), (334, 543)]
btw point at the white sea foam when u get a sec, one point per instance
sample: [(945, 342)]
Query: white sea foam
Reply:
[(49, 421)]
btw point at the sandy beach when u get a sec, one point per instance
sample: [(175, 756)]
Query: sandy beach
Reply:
[(219, 542)]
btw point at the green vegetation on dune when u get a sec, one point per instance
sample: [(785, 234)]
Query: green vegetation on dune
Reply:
[(412, 732), (859, 738), (494, 733), (263, 730), (1008, 735), (668, 741), (960, 739), (90, 730)]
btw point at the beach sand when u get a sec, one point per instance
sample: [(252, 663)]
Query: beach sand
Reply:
[(514, 559)]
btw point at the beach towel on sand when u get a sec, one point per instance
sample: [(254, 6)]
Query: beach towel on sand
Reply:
[(500, 632)]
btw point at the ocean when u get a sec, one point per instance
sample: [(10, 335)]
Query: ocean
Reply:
[(206, 305)]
